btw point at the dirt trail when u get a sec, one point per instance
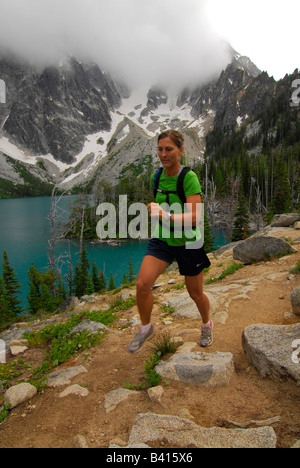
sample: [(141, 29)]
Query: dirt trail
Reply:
[(52, 422)]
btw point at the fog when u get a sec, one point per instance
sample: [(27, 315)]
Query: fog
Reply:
[(162, 41)]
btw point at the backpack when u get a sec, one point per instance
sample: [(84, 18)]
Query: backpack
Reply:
[(179, 189)]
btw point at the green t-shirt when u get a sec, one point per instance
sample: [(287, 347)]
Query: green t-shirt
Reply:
[(181, 236)]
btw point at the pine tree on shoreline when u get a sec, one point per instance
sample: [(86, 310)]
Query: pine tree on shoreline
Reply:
[(241, 223), (12, 288)]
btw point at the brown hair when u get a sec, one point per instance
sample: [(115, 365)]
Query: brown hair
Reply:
[(174, 135)]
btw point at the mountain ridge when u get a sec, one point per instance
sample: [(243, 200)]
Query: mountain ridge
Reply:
[(80, 125)]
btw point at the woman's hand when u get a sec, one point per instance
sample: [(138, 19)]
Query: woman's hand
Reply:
[(155, 211)]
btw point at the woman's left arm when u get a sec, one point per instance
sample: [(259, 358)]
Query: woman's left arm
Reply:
[(189, 219)]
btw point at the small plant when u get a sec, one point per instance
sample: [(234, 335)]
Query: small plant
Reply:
[(178, 286), (10, 372), (4, 412), (162, 345), (167, 310), (228, 271), (152, 377), (296, 269), (137, 387), (61, 343)]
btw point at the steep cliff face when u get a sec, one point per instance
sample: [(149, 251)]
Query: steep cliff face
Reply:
[(84, 126), (239, 92), (53, 111)]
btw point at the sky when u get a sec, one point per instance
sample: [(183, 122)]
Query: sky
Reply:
[(165, 41)]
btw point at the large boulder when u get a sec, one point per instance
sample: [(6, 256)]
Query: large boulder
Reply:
[(295, 301), (180, 432), (261, 248), (270, 348), (212, 370), (285, 219), (19, 394)]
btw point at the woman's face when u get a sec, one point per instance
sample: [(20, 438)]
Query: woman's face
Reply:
[(169, 153)]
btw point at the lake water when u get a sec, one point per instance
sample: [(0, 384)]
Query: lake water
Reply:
[(24, 234)]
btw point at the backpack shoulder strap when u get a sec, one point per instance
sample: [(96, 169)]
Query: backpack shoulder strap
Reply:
[(156, 181), (180, 188)]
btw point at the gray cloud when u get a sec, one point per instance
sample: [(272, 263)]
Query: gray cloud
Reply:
[(167, 41)]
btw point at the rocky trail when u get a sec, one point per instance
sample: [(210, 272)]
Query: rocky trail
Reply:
[(242, 392)]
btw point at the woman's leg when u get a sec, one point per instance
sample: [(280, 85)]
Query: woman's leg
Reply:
[(194, 286), (150, 270)]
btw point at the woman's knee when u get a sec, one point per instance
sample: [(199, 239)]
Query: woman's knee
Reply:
[(196, 295), (143, 285)]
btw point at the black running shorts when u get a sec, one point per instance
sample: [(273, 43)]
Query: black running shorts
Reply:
[(191, 262)]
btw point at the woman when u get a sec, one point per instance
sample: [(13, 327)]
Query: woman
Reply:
[(167, 246)]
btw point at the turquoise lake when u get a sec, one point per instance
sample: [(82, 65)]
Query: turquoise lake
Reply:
[(24, 234)]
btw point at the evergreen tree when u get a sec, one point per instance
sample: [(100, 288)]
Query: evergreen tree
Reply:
[(96, 278), (208, 237), (220, 182), (44, 295), (47, 300), (111, 283), (241, 221), (34, 296), (4, 303), (125, 280), (61, 290), (102, 281), (89, 285), (81, 274), (281, 202), (12, 287), (131, 274)]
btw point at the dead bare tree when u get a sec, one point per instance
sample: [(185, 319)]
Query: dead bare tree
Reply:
[(258, 207), (234, 183), (55, 215)]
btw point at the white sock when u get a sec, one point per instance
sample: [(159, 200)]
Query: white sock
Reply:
[(146, 328), (206, 324)]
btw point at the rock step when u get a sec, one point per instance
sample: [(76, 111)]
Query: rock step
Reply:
[(270, 348), (212, 370), (180, 432)]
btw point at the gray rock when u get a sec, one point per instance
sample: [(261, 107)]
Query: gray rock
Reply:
[(88, 299), (151, 427), (63, 377), (90, 326), (261, 248), (184, 306), (115, 397), (67, 305), (212, 370), (74, 390), (80, 442), (226, 247), (270, 349), (143, 446), (295, 300), (285, 219), (155, 394), (11, 335), (19, 394), (296, 445)]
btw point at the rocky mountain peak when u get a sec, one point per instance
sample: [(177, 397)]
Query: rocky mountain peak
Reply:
[(75, 111)]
